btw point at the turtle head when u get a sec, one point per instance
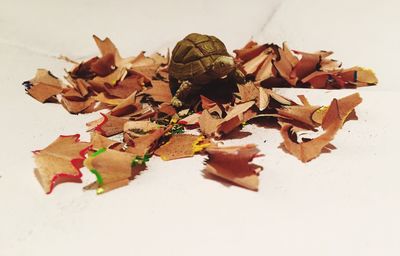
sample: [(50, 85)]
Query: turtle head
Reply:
[(223, 65)]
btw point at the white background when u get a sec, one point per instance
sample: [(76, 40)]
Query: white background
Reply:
[(342, 203)]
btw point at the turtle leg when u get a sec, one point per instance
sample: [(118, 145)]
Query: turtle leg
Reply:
[(173, 84), (183, 91)]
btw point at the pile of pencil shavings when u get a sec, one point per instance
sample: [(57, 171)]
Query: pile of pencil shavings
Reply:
[(135, 93)]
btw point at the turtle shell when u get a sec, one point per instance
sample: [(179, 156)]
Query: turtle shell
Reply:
[(193, 56)]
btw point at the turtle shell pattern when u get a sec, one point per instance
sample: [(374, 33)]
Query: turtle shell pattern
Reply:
[(194, 55)]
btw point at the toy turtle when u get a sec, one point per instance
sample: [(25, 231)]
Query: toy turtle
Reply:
[(196, 61)]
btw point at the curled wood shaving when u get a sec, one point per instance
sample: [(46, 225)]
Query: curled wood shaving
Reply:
[(332, 121), (296, 68), (60, 161), (216, 127), (159, 92), (112, 168), (107, 125), (233, 164), (144, 144), (182, 145), (43, 86), (136, 95)]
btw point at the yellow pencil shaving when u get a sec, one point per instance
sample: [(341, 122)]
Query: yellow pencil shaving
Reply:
[(197, 147), (100, 191), (322, 109), (366, 75), (173, 120)]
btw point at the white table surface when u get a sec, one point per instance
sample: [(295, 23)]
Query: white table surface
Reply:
[(342, 203)]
